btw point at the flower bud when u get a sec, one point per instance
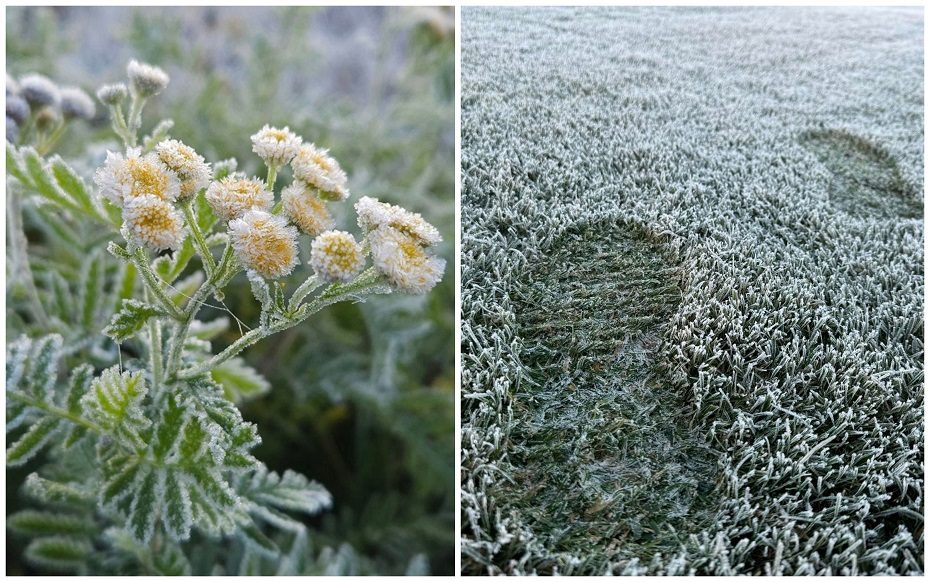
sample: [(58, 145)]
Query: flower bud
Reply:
[(39, 90), (112, 94), (145, 80), (76, 104)]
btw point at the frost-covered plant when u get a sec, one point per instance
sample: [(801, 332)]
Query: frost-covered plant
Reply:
[(139, 462), (38, 111)]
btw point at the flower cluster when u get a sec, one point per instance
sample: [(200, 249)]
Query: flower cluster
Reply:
[(147, 190), (400, 240), (35, 104), (153, 189)]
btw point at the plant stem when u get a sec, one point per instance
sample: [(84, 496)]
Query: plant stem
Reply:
[(201, 244), (55, 411), (272, 177), (180, 334), (342, 292), (151, 282), (155, 350)]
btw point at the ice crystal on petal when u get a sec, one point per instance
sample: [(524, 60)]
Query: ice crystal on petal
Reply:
[(304, 209), (189, 166), (404, 260), (275, 146), (232, 196), (152, 222), (264, 243), (316, 168), (336, 256), (127, 176)]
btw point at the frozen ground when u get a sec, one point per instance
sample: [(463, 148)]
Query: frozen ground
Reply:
[(692, 291)]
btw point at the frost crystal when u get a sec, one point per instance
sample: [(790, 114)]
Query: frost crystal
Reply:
[(152, 222), (303, 208), (335, 256), (17, 108), (123, 177), (404, 260), (373, 214), (146, 80), (264, 243), (316, 168), (232, 196), (276, 147), (189, 166), (112, 94), (39, 90)]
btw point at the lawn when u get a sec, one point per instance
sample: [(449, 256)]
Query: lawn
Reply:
[(693, 288)]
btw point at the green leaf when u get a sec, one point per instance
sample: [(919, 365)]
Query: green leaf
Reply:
[(239, 380), (16, 354), (145, 506), (171, 561), (127, 283), (32, 367), (32, 442), (56, 492), (90, 297), (258, 541), (210, 329), (290, 491), (41, 181), (36, 523), (61, 303), (130, 319), (14, 164), (204, 213), (59, 553), (120, 473), (73, 185), (114, 402), (179, 515)]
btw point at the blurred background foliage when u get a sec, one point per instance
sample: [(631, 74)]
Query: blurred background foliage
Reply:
[(361, 398)]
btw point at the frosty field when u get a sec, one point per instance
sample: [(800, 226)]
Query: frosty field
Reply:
[(692, 294)]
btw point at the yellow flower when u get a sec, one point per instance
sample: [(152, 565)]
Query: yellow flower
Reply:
[(264, 243), (335, 256), (317, 169), (189, 166), (276, 146), (152, 222), (373, 214), (404, 260), (124, 177), (232, 196), (305, 209)]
